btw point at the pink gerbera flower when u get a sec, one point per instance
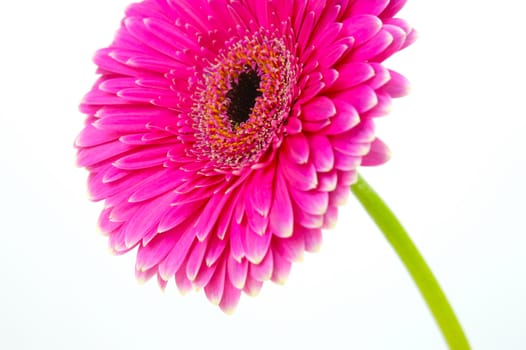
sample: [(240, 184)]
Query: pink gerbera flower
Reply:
[(224, 134)]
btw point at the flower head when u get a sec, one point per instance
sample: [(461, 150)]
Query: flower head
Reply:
[(224, 134)]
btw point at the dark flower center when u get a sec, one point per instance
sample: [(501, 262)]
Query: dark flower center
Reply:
[(243, 96), (242, 101)]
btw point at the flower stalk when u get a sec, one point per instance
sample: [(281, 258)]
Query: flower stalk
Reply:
[(426, 282)]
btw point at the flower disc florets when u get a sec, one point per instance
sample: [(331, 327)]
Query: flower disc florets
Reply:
[(242, 101)]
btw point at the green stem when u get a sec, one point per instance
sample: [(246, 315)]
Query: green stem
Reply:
[(414, 262)]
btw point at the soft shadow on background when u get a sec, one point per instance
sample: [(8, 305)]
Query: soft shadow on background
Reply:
[(455, 180)]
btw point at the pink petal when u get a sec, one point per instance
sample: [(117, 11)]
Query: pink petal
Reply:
[(361, 97), (297, 148), (281, 269), (178, 214), (352, 74), (345, 162), (398, 85), (281, 215), (313, 202), (91, 136), (362, 27), (379, 154), (156, 185), (236, 244), (313, 240), (255, 245), (252, 286), (373, 47), (327, 181), (346, 118), (230, 297), (309, 220), (330, 217), (237, 271), (261, 199), (322, 155), (214, 289), (204, 276), (169, 266), (195, 259), (215, 250), (145, 158), (181, 280), (302, 176), (90, 156), (293, 125), (263, 270), (392, 9), (291, 248), (374, 7), (318, 109)]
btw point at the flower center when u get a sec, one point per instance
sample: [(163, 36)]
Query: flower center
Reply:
[(242, 101), (242, 96)]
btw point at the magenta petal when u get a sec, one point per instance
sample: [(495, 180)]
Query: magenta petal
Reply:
[(261, 199), (237, 271), (215, 287), (398, 86), (281, 214), (176, 215), (230, 297), (255, 245), (145, 220), (362, 27), (293, 126), (204, 276), (93, 155), (313, 202), (346, 118), (150, 255), (361, 97), (374, 47), (281, 269), (297, 148), (392, 9), (215, 250), (379, 154), (291, 248), (156, 185), (252, 286), (177, 256), (302, 176), (320, 108), (236, 244), (263, 270), (195, 259), (145, 158), (374, 7), (208, 217), (91, 136), (181, 280), (256, 221), (313, 239), (322, 155), (330, 217), (352, 74), (309, 220), (346, 162), (328, 181)]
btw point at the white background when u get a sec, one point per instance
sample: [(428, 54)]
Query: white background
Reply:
[(456, 180)]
